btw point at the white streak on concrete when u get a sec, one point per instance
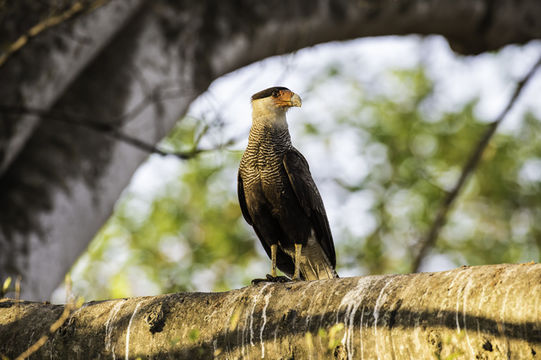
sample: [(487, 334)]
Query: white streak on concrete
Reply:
[(309, 315), (535, 289), (411, 290), (504, 303), (352, 300), (128, 331), (256, 299), (380, 301), (329, 298), (247, 289), (451, 286), (73, 314), (267, 298), (232, 304), (30, 340), (208, 317), (508, 286), (243, 335), (480, 307), (464, 316), (109, 325), (275, 335), (536, 307), (361, 333), (312, 300)]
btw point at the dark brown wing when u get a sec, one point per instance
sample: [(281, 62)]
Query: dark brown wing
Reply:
[(308, 196), (242, 200), (283, 261)]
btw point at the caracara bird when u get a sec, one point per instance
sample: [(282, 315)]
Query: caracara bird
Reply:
[(278, 196)]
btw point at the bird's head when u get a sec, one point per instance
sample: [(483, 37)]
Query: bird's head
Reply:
[(275, 100)]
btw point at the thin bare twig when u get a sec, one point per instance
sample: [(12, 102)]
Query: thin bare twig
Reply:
[(69, 308), (425, 244), (152, 96), (104, 128), (50, 22)]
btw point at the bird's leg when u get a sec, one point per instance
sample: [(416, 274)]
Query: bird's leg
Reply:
[(274, 249), (272, 277), (296, 274)]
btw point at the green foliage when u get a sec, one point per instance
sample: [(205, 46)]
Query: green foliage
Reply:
[(193, 335), (414, 157), (191, 226), (192, 231)]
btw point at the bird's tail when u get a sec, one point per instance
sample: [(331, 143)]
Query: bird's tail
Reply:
[(315, 264)]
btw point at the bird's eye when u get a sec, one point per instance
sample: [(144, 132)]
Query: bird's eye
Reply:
[(275, 93)]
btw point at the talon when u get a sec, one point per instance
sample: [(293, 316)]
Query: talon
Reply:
[(277, 279), (257, 281), (270, 278)]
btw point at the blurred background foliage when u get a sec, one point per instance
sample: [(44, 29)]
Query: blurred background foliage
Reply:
[(391, 153)]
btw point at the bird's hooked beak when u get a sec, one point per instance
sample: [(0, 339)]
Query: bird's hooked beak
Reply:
[(296, 100), (287, 99)]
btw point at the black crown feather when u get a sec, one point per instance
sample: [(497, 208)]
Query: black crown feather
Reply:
[(267, 92)]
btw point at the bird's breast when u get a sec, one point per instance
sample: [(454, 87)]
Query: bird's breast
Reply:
[(262, 171)]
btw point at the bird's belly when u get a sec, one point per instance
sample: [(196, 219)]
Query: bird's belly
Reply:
[(271, 202), (273, 184), (266, 184), (269, 188)]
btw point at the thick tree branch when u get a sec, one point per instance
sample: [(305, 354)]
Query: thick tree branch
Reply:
[(471, 312), (428, 242)]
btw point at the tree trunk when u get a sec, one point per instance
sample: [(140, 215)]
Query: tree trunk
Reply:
[(62, 171), (485, 312), (60, 54)]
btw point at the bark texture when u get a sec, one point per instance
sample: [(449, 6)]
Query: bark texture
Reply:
[(486, 312), (134, 67)]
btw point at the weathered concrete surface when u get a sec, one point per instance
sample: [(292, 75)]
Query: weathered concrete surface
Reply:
[(60, 181), (484, 312)]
